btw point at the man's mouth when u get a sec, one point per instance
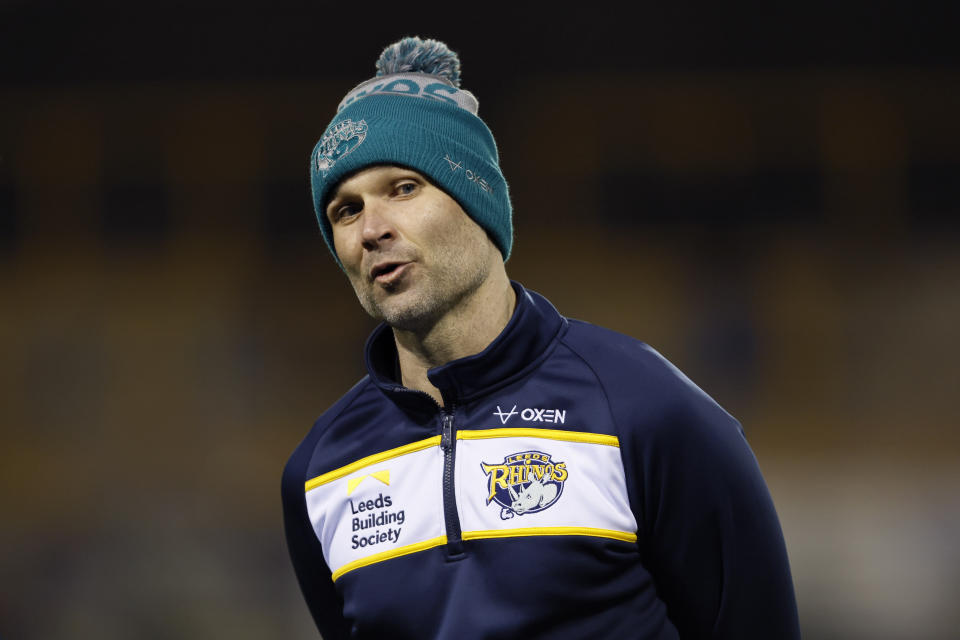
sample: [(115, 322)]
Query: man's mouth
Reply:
[(387, 272)]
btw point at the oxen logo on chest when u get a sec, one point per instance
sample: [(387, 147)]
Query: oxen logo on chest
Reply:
[(526, 482)]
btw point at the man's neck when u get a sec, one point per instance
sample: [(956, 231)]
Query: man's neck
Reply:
[(465, 330)]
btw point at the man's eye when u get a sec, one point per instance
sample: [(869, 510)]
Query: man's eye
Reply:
[(406, 188), (347, 210)]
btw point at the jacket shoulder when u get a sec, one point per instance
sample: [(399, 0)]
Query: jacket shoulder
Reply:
[(613, 355), (296, 466), (637, 379)]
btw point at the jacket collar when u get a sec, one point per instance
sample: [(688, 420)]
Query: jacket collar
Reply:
[(520, 347)]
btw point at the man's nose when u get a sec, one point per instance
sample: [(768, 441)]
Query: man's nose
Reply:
[(377, 225)]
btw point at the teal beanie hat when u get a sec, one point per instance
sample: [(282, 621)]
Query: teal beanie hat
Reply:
[(414, 114)]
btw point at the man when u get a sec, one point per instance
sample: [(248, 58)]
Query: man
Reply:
[(504, 472)]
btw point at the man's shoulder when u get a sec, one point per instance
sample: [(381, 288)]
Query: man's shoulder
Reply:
[(634, 375), (338, 411), (341, 408), (610, 351)]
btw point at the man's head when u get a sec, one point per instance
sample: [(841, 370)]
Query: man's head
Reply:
[(413, 114), (410, 251)]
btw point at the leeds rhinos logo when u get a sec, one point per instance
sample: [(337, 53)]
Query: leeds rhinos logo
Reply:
[(526, 482), (340, 140)]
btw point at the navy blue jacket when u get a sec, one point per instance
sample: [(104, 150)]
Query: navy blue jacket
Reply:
[(574, 484)]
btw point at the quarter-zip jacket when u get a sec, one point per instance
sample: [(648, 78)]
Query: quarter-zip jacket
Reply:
[(574, 484)]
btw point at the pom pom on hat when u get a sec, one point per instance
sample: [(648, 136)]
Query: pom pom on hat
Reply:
[(415, 55)]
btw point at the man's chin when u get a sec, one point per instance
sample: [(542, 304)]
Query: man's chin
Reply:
[(405, 311)]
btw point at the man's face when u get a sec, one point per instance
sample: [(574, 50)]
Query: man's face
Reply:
[(409, 250)]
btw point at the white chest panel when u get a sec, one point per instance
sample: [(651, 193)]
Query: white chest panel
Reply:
[(508, 483)]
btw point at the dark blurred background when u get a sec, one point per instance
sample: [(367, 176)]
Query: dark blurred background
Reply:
[(766, 193)]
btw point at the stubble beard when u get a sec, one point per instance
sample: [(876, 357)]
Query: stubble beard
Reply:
[(430, 297)]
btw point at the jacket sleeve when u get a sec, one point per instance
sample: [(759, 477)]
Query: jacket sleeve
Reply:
[(708, 530), (311, 569), (709, 533)]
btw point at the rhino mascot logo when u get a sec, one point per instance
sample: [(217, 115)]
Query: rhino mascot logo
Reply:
[(526, 482), (340, 140)]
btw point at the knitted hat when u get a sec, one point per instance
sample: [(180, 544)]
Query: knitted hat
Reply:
[(414, 114)]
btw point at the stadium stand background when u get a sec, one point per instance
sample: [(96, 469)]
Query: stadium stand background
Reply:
[(767, 195)]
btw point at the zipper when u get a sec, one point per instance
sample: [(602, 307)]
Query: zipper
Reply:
[(448, 443)]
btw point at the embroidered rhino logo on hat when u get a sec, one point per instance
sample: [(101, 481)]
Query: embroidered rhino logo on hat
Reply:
[(340, 139)]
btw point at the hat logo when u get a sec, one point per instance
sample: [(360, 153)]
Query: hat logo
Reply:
[(340, 139)]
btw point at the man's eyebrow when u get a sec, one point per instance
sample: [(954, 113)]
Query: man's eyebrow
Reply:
[(337, 194)]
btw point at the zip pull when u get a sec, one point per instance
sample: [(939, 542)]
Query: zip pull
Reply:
[(446, 438)]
